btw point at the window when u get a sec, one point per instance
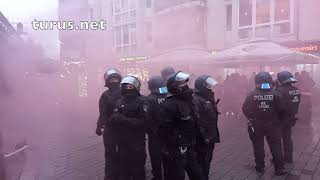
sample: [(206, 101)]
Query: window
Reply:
[(91, 14), (148, 3), (245, 33), (124, 10), (133, 14), (283, 28), (282, 10), (125, 34), (149, 32), (133, 33), (118, 36), (132, 4), (124, 5), (263, 31), (264, 18), (245, 13), (263, 11), (117, 6), (125, 38), (229, 17)]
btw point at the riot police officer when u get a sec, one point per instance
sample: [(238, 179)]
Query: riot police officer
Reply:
[(106, 104), (291, 96), (157, 96), (208, 119), (129, 123), (264, 108), (167, 72), (178, 129)]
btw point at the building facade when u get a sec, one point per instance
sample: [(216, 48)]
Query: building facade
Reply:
[(148, 28), (287, 22)]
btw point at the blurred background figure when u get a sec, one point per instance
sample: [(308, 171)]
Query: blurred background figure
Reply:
[(2, 162), (307, 87), (167, 72)]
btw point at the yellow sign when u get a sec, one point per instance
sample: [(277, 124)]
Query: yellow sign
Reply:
[(136, 58)]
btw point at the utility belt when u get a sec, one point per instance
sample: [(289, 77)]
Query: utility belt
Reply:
[(183, 149)]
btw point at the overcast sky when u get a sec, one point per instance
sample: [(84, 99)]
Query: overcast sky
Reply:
[(26, 11)]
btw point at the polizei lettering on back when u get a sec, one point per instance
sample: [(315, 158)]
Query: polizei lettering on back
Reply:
[(263, 97), (161, 100), (294, 92)]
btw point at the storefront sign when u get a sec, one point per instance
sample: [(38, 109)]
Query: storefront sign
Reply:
[(310, 48), (135, 58)]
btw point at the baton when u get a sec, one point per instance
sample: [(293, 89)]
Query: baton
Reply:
[(16, 152)]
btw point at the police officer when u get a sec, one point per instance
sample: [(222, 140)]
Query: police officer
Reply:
[(264, 108), (157, 96), (178, 129), (208, 128), (167, 72), (129, 123), (106, 104), (291, 96)]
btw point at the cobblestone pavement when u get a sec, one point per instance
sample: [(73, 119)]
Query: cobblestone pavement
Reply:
[(63, 146)]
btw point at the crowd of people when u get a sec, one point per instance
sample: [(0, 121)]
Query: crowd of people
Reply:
[(181, 122)]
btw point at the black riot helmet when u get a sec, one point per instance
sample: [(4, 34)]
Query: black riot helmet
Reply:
[(177, 83), (285, 77), (157, 85), (263, 80), (113, 74), (204, 82), (167, 72)]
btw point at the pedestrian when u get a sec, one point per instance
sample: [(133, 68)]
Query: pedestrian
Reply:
[(129, 124), (208, 121), (107, 101), (178, 129), (158, 90), (291, 96), (263, 107)]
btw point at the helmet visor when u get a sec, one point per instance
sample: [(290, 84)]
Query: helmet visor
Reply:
[(182, 76), (111, 71), (131, 80), (210, 82), (290, 80)]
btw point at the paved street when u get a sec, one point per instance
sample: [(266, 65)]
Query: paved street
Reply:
[(67, 149)]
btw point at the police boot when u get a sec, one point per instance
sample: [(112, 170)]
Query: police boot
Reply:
[(281, 172)]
